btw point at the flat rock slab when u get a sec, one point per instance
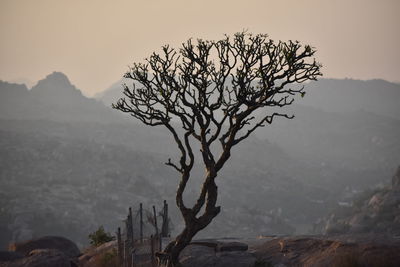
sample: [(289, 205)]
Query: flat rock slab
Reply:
[(220, 246), (203, 256), (232, 246)]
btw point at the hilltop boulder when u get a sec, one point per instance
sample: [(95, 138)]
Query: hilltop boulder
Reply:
[(41, 258), (61, 244)]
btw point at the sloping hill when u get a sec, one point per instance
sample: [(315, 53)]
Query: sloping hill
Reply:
[(77, 160), (51, 185), (335, 95), (53, 98)]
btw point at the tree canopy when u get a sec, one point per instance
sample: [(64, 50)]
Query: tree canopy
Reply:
[(218, 92)]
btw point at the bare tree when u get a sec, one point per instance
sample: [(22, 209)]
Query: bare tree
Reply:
[(218, 92)]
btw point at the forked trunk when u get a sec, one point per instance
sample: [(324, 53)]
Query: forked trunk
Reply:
[(170, 256)]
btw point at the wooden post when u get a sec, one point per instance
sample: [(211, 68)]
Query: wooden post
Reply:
[(129, 239), (132, 241), (160, 242), (152, 251), (131, 226), (164, 228), (125, 252), (120, 248), (155, 220), (141, 222)]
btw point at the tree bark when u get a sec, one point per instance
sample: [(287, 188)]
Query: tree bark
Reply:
[(170, 255)]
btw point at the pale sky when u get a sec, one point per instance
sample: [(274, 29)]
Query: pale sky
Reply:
[(93, 42)]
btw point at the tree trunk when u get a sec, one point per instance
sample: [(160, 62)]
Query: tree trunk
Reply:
[(170, 256)]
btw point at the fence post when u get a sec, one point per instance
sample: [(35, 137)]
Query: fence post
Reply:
[(120, 251), (131, 226), (166, 220), (141, 222), (152, 251), (129, 238), (155, 219), (164, 228), (125, 252), (160, 242)]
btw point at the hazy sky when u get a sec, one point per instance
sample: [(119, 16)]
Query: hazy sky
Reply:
[(93, 42)]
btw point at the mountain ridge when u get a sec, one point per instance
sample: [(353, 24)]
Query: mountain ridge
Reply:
[(323, 94), (52, 98)]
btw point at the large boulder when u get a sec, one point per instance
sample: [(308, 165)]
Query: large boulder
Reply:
[(10, 256), (64, 245), (98, 256), (41, 258)]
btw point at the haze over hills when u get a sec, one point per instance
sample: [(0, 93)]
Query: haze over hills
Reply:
[(66, 155), (334, 95), (53, 98), (349, 123), (331, 95)]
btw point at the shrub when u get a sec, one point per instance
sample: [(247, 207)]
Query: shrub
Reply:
[(100, 237)]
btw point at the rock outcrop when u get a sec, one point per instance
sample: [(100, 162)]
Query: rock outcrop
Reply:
[(62, 244), (10, 256), (97, 256), (41, 258), (373, 212), (329, 251), (48, 251)]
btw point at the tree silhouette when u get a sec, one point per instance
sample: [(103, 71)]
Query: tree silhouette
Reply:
[(215, 93)]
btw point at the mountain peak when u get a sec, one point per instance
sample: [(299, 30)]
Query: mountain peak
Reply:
[(59, 76), (57, 79), (56, 84)]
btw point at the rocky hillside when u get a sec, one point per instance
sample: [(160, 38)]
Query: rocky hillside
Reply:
[(376, 211), (52, 98), (67, 161), (347, 95), (51, 185)]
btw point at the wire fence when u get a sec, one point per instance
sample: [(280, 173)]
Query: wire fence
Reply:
[(141, 237)]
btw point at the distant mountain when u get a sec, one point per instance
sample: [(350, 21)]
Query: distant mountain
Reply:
[(53, 98), (111, 94), (14, 100), (353, 139), (57, 88), (55, 142), (331, 95), (335, 95)]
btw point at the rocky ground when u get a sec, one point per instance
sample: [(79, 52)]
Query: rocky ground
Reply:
[(366, 250), (48, 251), (350, 250)]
